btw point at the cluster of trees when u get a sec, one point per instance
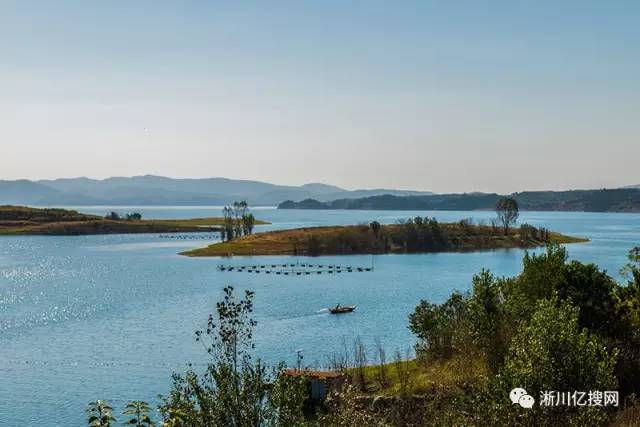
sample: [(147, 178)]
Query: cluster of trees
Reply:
[(558, 325), (238, 221), (115, 216), (426, 234), (529, 232), (412, 235), (419, 234)]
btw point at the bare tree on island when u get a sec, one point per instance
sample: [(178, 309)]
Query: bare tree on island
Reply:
[(508, 212), (228, 229), (240, 210)]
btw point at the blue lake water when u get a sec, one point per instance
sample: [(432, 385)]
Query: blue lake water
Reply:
[(112, 317)]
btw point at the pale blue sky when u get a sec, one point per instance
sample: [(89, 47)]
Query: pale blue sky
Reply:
[(443, 96)]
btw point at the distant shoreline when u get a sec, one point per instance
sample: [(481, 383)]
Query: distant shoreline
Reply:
[(616, 200), (27, 221)]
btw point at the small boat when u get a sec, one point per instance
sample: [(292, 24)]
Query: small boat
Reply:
[(342, 309)]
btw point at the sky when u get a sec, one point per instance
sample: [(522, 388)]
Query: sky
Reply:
[(447, 96)]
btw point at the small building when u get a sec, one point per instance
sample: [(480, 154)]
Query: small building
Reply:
[(320, 382)]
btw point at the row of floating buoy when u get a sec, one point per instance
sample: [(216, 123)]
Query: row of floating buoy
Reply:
[(188, 236), (328, 266), (291, 270)]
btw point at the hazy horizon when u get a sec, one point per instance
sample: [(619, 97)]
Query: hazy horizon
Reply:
[(494, 97), (309, 183)]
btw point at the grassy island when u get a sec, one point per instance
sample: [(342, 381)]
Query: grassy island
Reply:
[(415, 236), (19, 220)]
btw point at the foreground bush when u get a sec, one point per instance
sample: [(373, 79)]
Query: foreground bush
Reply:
[(557, 326)]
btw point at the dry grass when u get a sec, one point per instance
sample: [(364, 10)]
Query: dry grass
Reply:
[(281, 242), (426, 376)]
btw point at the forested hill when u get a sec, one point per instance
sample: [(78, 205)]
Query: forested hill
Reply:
[(614, 200)]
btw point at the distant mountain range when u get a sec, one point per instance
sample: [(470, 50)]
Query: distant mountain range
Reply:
[(614, 200), (159, 190)]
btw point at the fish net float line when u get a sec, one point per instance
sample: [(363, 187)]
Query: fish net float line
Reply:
[(301, 273), (296, 269), (188, 237), (258, 266), (293, 271)]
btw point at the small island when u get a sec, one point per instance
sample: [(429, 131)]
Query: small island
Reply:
[(418, 235), (21, 220)]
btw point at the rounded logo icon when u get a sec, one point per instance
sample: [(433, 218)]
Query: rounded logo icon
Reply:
[(520, 396), (516, 394), (526, 401)]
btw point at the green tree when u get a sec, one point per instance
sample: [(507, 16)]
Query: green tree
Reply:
[(99, 414), (541, 275), (234, 390), (550, 352), (507, 212), (548, 274), (593, 292), (436, 326), (138, 413), (486, 319)]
